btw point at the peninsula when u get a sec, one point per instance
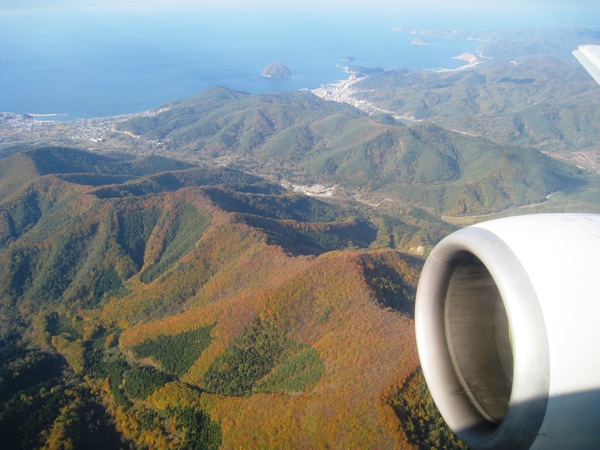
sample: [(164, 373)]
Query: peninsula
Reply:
[(421, 41)]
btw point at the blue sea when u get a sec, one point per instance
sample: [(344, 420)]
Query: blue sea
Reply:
[(100, 64)]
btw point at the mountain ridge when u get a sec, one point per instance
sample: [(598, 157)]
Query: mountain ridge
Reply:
[(330, 143), (539, 101)]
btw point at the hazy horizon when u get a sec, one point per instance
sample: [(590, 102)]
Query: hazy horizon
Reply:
[(510, 11)]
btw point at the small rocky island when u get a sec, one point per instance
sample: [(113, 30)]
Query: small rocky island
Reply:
[(276, 70)]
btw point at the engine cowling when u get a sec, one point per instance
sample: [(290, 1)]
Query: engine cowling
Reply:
[(508, 331)]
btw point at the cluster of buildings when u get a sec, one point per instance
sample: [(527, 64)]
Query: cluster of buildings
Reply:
[(343, 93), (94, 129)]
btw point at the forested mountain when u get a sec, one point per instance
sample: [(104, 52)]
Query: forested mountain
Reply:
[(535, 101), (299, 136), (149, 303)]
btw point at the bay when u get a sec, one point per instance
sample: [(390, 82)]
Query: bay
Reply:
[(95, 65)]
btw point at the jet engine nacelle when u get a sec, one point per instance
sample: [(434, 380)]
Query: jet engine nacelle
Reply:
[(508, 331)]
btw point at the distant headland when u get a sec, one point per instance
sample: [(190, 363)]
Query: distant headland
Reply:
[(276, 70), (421, 41)]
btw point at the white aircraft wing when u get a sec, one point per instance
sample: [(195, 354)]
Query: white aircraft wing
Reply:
[(589, 57)]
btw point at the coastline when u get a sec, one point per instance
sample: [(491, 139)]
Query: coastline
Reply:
[(94, 129), (46, 115), (342, 90)]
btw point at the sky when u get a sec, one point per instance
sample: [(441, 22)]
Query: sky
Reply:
[(316, 7), (478, 15)]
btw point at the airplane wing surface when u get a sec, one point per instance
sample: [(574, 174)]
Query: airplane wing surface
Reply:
[(589, 57)]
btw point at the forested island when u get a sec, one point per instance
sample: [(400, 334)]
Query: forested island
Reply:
[(276, 70)]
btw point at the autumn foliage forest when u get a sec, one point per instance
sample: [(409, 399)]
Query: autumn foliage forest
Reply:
[(154, 304)]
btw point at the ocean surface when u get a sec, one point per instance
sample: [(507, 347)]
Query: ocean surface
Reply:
[(95, 65)]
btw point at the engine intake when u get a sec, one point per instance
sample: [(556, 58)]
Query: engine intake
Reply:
[(507, 329)]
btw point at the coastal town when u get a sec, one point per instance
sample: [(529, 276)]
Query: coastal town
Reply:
[(43, 126), (342, 92)]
